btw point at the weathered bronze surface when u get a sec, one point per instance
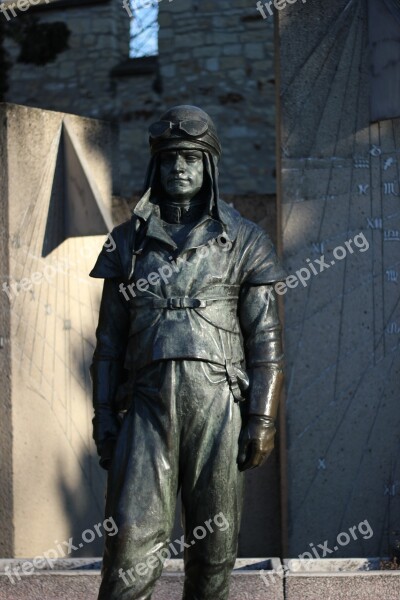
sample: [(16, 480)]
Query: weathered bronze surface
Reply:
[(187, 369)]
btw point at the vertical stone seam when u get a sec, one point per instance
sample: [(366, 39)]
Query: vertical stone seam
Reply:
[(6, 433)]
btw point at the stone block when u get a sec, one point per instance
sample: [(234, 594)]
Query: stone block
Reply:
[(176, 6), (101, 25), (231, 62), (186, 40), (358, 579), (55, 189), (164, 19), (207, 51), (341, 408), (233, 50), (212, 64), (168, 70), (254, 50), (80, 579)]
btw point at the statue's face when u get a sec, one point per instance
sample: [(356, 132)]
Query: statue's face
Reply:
[(181, 173)]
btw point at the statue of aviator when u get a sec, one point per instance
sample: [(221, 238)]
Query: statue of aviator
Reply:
[(187, 369)]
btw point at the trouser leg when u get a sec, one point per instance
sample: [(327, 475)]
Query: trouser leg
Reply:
[(183, 423), (141, 491), (212, 485)]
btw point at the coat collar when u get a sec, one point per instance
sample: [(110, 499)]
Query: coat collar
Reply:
[(156, 231), (205, 230), (228, 221)]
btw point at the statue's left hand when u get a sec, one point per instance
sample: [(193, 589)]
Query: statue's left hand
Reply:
[(256, 441)]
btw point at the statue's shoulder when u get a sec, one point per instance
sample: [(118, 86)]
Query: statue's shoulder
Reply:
[(120, 231), (124, 234), (261, 264), (228, 209), (246, 228), (115, 257)]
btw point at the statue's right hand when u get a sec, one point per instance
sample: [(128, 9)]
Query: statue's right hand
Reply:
[(107, 453)]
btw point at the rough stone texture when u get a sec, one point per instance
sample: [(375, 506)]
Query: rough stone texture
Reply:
[(383, 29), (78, 80), (82, 585), (338, 579), (215, 54), (365, 586), (225, 64), (305, 566), (340, 178), (49, 314), (85, 587)]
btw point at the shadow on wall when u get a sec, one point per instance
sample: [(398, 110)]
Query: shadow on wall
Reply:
[(83, 504), (81, 481)]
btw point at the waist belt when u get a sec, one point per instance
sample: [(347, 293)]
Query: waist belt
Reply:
[(179, 303)]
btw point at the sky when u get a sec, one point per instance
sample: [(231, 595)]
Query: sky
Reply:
[(144, 29)]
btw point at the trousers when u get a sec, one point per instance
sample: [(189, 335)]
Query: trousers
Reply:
[(180, 433)]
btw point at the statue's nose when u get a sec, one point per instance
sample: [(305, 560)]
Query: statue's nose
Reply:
[(179, 164)]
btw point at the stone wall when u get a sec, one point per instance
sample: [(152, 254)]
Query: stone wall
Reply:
[(52, 487), (218, 55), (340, 183), (77, 81)]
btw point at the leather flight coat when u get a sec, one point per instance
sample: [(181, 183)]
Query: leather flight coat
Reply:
[(211, 300)]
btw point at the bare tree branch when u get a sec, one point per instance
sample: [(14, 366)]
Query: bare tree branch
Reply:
[(144, 29)]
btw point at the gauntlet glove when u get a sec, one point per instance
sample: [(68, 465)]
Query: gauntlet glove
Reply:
[(264, 357), (106, 376), (256, 442), (107, 369)]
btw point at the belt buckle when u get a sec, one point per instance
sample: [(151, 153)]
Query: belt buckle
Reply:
[(177, 303), (174, 303)]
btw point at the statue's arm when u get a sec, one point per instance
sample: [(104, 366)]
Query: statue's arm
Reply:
[(261, 328), (107, 368)]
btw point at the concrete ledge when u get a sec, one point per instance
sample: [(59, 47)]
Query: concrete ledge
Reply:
[(352, 578), (79, 579)]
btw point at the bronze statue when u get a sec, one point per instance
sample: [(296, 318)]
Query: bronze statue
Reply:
[(187, 369)]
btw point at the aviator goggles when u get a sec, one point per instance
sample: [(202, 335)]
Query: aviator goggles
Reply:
[(191, 127)]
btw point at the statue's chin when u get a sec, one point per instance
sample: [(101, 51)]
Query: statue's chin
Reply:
[(178, 194)]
